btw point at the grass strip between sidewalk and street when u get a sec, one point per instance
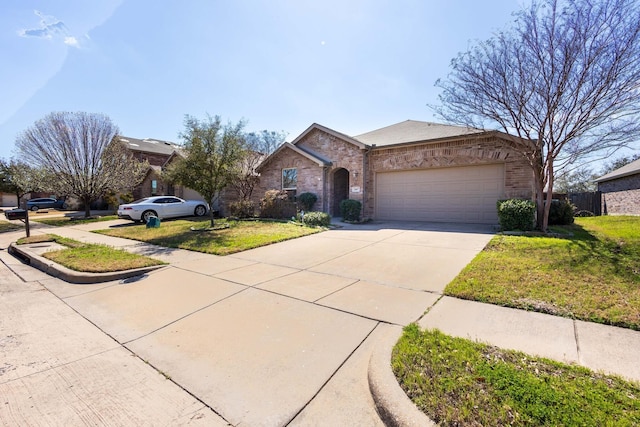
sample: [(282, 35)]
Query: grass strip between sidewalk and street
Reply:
[(91, 258), (6, 226), (458, 382), (592, 274), (190, 234)]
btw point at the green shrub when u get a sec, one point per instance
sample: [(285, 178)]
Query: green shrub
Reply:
[(561, 212), (276, 204), (306, 201), (350, 209), (242, 209), (516, 214), (583, 213), (319, 219)]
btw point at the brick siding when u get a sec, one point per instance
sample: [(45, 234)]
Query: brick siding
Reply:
[(621, 196)]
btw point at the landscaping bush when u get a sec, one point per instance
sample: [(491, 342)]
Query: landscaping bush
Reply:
[(561, 212), (516, 214), (583, 214), (319, 219), (242, 209), (306, 201), (276, 204), (350, 209)]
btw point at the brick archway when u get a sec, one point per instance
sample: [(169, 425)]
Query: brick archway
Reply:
[(340, 189)]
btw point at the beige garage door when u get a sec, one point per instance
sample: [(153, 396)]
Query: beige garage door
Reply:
[(458, 194)]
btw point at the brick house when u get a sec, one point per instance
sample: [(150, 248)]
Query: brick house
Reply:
[(159, 154), (412, 171), (620, 190)]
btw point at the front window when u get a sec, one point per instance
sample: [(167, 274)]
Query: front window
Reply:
[(154, 187), (289, 179)]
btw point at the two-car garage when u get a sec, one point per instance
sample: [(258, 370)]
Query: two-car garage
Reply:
[(466, 194)]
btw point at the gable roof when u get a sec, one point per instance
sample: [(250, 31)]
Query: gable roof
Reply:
[(413, 131), (626, 170), (149, 145), (287, 145), (330, 132)]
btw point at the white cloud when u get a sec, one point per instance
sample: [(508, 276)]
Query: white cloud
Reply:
[(50, 28)]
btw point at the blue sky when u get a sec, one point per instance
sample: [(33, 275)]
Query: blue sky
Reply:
[(350, 65)]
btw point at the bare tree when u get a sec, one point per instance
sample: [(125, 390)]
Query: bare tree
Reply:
[(565, 79), (82, 155), (258, 146), (19, 178), (213, 155), (614, 164)]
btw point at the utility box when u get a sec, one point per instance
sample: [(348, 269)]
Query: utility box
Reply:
[(16, 214), (154, 222)]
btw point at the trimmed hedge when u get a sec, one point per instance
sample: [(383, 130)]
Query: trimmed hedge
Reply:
[(319, 219), (242, 209), (516, 214), (276, 204)]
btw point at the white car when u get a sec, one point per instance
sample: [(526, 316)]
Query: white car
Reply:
[(161, 207)]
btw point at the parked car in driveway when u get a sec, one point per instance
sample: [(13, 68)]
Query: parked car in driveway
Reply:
[(46, 203), (161, 207)]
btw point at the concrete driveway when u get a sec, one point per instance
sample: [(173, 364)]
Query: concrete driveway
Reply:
[(279, 335)]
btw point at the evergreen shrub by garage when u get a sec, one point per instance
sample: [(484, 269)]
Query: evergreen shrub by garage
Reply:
[(516, 214), (350, 210), (318, 219), (561, 212), (306, 201)]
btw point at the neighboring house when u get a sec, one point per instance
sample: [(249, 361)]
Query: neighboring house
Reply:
[(412, 171), (159, 154), (620, 190)]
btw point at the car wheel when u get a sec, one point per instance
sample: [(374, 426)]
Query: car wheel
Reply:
[(65, 206), (200, 210), (146, 215), (34, 208)]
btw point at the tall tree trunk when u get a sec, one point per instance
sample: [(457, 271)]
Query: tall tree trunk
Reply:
[(87, 207)]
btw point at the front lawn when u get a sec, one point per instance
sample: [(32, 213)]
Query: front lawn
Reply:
[(457, 382), (592, 275), (239, 236), (60, 222), (89, 257)]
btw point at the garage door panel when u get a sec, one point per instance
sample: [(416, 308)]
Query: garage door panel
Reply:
[(458, 194)]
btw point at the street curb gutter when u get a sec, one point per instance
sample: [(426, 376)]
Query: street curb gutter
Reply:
[(393, 405), (56, 270)]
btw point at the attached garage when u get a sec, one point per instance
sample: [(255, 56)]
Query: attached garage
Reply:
[(466, 194)]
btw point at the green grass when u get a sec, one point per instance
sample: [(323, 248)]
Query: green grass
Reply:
[(91, 258), (6, 226), (457, 382), (60, 222), (593, 274), (239, 236)]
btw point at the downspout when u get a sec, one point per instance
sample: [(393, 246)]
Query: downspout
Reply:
[(325, 202), (365, 174)]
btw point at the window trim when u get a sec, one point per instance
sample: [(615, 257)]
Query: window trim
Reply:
[(295, 186)]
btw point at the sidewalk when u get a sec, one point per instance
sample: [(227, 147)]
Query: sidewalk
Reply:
[(334, 331)]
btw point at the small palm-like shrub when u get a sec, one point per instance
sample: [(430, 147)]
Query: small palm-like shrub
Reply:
[(350, 209), (306, 201)]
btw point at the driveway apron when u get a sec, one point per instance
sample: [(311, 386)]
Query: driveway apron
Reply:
[(280, 334)]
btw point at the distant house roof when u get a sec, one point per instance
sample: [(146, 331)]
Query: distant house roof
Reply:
[(149, 145), (413, 131), (626, 170)]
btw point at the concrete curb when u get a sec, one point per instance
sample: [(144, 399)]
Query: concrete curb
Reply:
[(56, 270), (393, 405)]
